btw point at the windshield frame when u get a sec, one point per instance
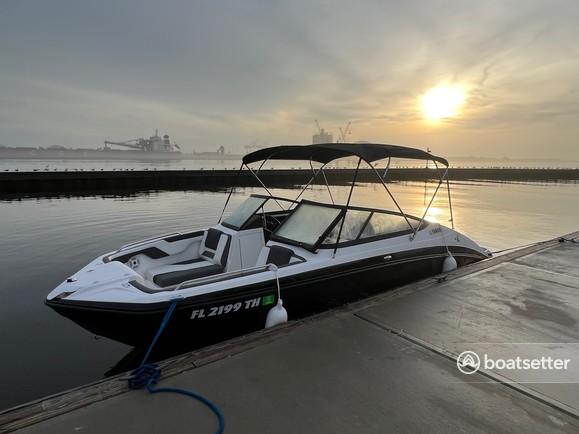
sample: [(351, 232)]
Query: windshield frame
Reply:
[(383, 236), (265, 198), (319, 244), (250, 215), (311, 247)]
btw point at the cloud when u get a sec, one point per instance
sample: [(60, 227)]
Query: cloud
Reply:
[(67, 114), (212, 73)]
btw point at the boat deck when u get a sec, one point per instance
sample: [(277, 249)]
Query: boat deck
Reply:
[(383, 364)]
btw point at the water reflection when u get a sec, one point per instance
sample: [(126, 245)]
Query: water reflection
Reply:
[(45, 240), (434, 215)]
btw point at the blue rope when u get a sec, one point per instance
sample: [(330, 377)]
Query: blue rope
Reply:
[(147, 374)]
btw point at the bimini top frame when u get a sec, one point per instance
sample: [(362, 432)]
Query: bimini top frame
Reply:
[(367, 152)]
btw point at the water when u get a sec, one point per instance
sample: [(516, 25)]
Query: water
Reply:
[(45, 240)]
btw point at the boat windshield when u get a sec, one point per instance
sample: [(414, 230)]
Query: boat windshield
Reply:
[(313, 225), (244, 211), (368, 224), (308, 224)]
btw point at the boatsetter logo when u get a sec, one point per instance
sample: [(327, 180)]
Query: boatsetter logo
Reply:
[(469, 362)]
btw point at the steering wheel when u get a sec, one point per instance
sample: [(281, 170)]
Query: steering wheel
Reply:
[(266, 223), (271, 223)]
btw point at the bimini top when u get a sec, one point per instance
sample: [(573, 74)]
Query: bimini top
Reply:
[(324, 153)]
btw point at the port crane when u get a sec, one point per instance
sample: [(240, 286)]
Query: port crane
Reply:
[(152, 144), (344, 133), (322, 136), (318, 125), (133, 144)]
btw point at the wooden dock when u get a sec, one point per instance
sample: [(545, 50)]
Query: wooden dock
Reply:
[(384, 364)]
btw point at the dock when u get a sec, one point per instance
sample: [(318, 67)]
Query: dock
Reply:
[(383, 364), (92, 181)]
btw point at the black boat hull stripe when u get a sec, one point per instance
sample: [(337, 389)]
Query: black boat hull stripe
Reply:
[(303, 294)]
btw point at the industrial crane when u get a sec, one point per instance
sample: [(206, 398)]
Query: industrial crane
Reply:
[(322, 135), (152, 144), (318, 125), (344, 133), (133, 144)]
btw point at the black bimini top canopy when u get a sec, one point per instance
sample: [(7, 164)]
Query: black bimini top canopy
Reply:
[(327, 152)]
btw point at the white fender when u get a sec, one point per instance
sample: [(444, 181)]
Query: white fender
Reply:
[(277, 315), (449, 264)]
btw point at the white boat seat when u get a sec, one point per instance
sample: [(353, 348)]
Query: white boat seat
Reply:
[(278, 255), (213, 254)]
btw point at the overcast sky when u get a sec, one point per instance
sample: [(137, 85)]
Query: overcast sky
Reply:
[(239, 72)]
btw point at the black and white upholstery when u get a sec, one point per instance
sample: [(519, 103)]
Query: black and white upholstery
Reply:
[(213, 247), (278, 255), (213, 253)]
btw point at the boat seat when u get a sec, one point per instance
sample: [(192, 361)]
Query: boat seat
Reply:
[(278, 255), (177, 276), (213, 254)]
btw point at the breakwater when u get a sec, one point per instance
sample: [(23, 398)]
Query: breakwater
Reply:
[(45, 182)]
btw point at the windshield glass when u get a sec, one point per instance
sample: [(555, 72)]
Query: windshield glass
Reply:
[(381, 224), (240, 215), (307, 223), (353, 225)]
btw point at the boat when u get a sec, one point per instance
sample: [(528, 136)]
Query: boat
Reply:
[(311, 255), (154, 143)]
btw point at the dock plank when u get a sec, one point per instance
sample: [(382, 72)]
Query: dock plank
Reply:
[(564, 259)]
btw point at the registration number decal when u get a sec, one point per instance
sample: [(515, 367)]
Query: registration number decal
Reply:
[(224, 309)]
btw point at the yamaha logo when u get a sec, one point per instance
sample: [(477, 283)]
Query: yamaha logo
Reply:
[(468, 362)]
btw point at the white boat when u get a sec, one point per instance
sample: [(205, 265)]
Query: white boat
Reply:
[(322, 255)]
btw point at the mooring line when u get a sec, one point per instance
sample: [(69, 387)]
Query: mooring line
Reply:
[(147, 375)]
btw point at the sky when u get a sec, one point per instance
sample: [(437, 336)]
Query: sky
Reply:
[(239, 73)]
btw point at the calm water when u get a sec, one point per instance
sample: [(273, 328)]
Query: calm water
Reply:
[(45, 240)]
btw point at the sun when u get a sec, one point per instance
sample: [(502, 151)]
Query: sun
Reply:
[(442, 102)]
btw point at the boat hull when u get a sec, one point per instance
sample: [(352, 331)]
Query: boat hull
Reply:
[(205, 319)]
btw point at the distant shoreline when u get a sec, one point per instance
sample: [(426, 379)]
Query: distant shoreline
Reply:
[(114, 155), (63, 153)]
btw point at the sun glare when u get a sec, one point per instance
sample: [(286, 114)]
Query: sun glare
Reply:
[(442, 102)]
